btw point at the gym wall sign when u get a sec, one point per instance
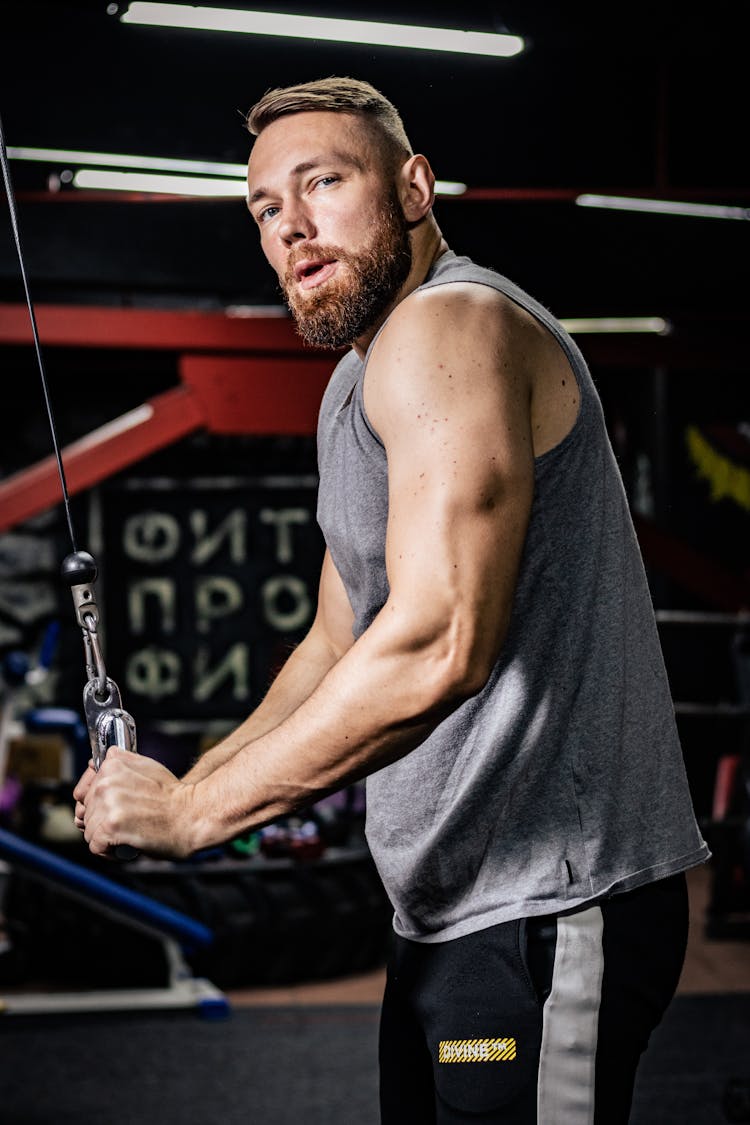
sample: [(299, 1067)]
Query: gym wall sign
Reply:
[(215, 581)]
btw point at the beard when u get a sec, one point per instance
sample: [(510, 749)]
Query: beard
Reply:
[(348, 305)]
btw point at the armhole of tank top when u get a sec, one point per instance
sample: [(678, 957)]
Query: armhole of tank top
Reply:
[(575, 359), (581, 374), (368, 424), (359, 393)]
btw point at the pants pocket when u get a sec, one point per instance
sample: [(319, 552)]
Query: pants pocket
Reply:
[(483, 1021)]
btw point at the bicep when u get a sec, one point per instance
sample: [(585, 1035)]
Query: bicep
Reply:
[(457, 432)]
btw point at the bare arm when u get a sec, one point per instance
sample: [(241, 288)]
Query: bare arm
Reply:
[(447, 392), (329, 637)]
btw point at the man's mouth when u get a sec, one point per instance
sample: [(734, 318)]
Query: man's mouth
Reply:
[(309, 273)]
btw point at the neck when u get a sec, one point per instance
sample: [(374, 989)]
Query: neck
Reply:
[(427, 246)]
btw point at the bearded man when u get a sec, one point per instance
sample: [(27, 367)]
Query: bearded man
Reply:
[(484, 652)]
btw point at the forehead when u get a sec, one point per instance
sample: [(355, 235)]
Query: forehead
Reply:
[(290, 141)]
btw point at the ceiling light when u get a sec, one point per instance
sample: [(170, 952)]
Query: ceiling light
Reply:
[(164, 164), (655, 324), (446, 187), (96, 179), (332, 30), (663, 206), (160, 185), (123, 160)]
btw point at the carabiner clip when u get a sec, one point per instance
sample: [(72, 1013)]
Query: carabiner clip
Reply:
[(94, 657)]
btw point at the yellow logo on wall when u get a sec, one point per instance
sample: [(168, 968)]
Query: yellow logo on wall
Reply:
[(727, 479), (476, 1050)]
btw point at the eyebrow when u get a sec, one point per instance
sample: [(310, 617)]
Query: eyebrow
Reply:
[(336, 156)]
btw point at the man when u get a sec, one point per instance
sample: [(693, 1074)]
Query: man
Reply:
[(484, 651)]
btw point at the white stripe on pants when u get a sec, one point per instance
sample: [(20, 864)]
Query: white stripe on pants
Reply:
[(565, 1092)]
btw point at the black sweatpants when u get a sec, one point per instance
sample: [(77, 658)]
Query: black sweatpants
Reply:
[(538, 1021)]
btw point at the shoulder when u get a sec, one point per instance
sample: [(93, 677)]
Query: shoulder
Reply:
[(454, 318), (448, 344), (459, 324), (452, 300)]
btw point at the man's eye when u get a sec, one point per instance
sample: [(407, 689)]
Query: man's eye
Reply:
[(266, 214), (324, 181)]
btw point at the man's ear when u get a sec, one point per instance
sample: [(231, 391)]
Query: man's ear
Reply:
[(416, 188)]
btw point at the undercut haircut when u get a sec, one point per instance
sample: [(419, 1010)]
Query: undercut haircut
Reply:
[(338, 95)]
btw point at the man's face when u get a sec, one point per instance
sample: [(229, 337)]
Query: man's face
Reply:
[(330, 224)]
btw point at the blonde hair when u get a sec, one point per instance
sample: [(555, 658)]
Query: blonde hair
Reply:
[(337, 95)]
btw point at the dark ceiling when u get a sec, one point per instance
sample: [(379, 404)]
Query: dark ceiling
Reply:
[(633, 99)]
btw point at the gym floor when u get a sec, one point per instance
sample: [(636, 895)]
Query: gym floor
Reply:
[(710, 967)]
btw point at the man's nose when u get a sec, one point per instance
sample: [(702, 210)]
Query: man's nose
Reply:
[(296, 224)]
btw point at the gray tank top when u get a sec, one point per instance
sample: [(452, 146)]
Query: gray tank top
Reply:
[(563, 780)]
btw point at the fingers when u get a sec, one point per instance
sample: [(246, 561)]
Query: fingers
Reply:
[(84, 784), (102, 819), (84, 795), (111, 797), (80, 793), (132, 800)]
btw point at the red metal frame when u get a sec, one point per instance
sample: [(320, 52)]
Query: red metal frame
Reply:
[(725, 785), (104, 451), (82, 326), (660, 190), (262, 381), (691, 569), (249, 395), (253, 375), (266, 333)]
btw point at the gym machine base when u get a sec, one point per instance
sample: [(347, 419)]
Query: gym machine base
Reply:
[(175, 931)]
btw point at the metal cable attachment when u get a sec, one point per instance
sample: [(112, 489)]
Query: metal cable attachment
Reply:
[(93, 646), (107, 722), (101, 695), (79, 569)]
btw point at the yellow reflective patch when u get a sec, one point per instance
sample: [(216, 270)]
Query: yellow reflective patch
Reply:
[(476, 1050), (725, 477)]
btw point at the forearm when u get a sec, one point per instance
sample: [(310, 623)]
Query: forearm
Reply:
[(297, 680), (373, 706)]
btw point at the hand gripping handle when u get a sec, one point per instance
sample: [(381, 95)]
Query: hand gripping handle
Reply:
[(109, 725), (116, 728)]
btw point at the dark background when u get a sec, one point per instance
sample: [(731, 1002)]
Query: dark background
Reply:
[(651, 99), (645, 99)]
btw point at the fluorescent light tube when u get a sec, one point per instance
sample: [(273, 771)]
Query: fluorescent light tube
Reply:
[(162, 164), (124, 160), (331, 30), (162, 185), (655, 324), (96, 179), (663, 206), (446, 187)]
